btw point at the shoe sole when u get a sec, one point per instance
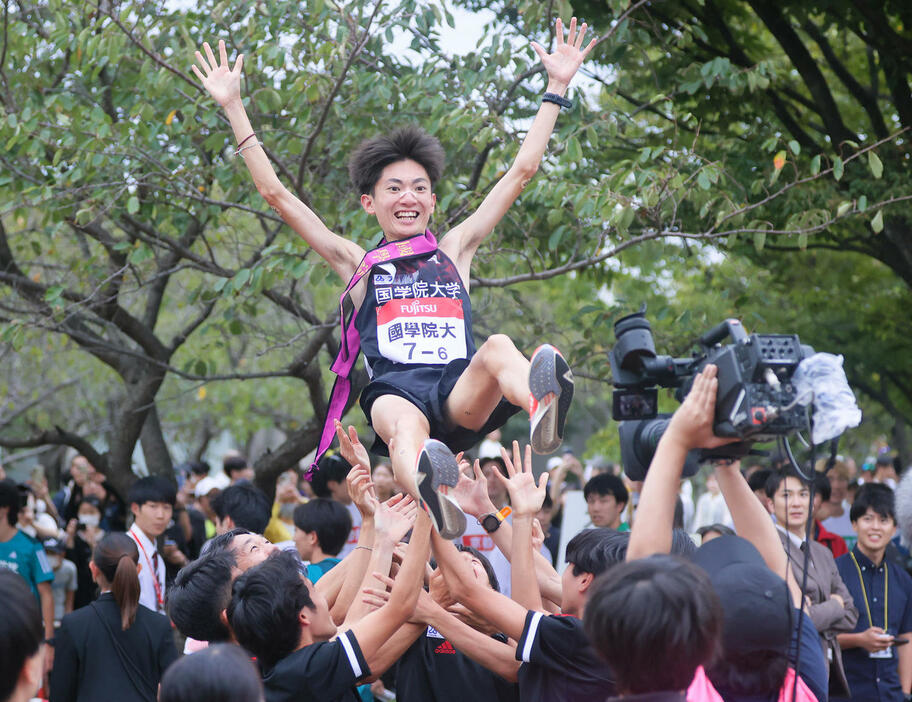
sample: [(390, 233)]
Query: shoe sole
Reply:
[(437, 467), (549, 374)]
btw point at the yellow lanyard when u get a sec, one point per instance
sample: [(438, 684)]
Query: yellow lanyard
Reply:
[(865, 593)]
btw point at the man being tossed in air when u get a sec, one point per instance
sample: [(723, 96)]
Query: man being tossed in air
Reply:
[(431, 393)]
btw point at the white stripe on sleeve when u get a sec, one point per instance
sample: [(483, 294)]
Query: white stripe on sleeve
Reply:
[(530, 636), (350, 652)]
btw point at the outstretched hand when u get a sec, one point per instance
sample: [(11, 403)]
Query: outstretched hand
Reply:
[(472, 494), (568, 55), (222, 82), (526, 497), (350, 447), (692, 423)]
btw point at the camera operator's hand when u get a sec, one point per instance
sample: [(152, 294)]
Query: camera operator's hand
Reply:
[(691, 425)]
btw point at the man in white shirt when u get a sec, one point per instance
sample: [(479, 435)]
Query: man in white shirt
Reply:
[(151, 501)]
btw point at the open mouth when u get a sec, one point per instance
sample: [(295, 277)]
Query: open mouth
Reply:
[(406, 216)]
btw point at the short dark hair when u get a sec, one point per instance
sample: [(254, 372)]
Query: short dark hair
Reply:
[(406, 143), (596, 550), (878, 497), (777, 476), (754, 673), (757, 479), (607, 484), (485, 563), (199, 467), (220, 673), (332, 467), (655, 621), (152, 488), (232, 464), (10, 497), (20, 627), (329, 519), (200, 593), (246, 504), (264, 608), (822, 486)]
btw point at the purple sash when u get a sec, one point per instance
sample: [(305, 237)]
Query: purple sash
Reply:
[(350, 345)]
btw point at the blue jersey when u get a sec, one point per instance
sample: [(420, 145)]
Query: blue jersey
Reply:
[(24, 555)]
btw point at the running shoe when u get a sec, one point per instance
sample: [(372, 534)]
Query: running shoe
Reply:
[(437, 468), (551, 390)]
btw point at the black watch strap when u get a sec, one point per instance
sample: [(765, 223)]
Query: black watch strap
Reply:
[(490, 523), (556, 99)]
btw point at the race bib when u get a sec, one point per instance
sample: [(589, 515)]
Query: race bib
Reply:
[(427, 330)]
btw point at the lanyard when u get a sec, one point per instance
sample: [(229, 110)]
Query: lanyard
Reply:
[(158, 590), (865, 593)]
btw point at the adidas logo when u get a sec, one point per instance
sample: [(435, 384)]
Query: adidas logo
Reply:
[(445, 647)]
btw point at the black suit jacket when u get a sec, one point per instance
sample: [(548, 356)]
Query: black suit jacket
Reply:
[(87, 667)]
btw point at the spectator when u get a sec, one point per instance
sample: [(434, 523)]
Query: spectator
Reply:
[(877, 669), (606, 498), (152, 504), (68, 499), (22, 648), (831, 607), (757, 483), (885, 471), (38, 525), (65, 579), (549, 529), (116, 648), (200, 595), (242, 506), (82, 534), (236, 468), (329, 481), (834, 542), (834, 513), (222, 673), (287, 498), (655, 622), (711, 507), (321, 530), (714, 531), (497, 493), (384, 484), (205, 492), (23, 555)]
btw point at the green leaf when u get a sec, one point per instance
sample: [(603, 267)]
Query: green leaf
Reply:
[(703, 181), (199, 368), (133, 204), (875, 164), (844, 207), (838, 168), (241, 278), (815, 165), (877, 222), (795, 147), (759, 240), (803, 241), (862, 203), (574, 149)]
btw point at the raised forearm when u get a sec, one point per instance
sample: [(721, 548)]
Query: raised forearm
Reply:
[(497, 657), (357, 564), (381, 557), (549, 580), (524, 584)]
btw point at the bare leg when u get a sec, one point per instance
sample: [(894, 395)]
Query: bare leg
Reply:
[(497, 370), (404, 429)]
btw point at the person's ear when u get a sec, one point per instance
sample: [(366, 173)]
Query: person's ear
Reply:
[(585, 581), (138, 568), (94, 570), (223, 618), (304, 616), (32, 672), (367, 202), (134, 508)]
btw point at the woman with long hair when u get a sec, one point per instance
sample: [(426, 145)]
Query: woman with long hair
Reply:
[(115, 648)]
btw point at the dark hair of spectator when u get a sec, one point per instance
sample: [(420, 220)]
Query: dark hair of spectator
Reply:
[(199, 468), (21, 633), (234, 464), (116, 556), (331, 467), (373, 155), (875, 496), (10, 497), (822, 486), (329, 519), (548, 503), (757, 479), (777, 476), (607, 484), (265, 603), (596, 550), (485, 563), (754, 673), (200, 593), (152, 488), (220, 673), (246, 504), (223, 542), (655, 621)]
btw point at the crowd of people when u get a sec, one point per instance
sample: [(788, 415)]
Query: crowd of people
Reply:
[(436, 577)]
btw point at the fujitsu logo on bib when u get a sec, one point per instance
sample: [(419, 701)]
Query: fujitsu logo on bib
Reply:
[(416, 308)]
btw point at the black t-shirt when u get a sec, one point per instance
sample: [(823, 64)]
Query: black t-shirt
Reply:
[(326, 671), (431, 670), (559, 663)]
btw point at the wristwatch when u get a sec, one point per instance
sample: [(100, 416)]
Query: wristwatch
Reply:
[(491, 522)]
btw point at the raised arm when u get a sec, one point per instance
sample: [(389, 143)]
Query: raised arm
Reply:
[(690, 427), (224, 84), (561, 65)]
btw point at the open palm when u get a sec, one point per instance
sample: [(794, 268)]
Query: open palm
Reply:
[(222, 81), (563, 63)]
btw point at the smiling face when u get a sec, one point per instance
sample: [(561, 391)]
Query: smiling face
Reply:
[(401, 200), (251, 549), (874, 533)]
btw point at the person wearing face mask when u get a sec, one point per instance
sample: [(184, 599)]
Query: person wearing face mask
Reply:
[(66, 579), (82, 533)]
